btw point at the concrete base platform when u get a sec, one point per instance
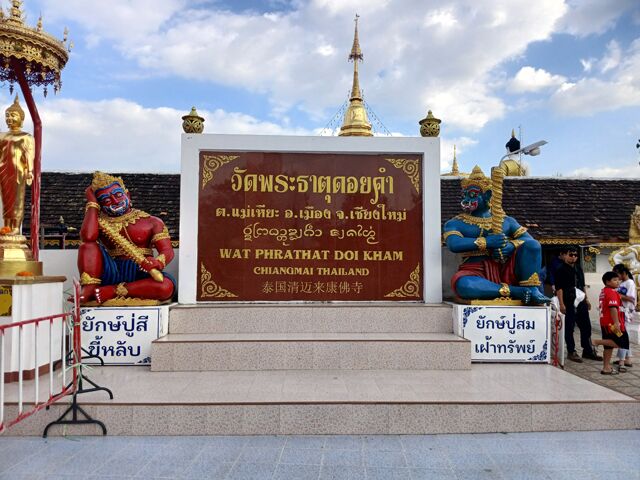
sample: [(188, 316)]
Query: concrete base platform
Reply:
[(344, 318), (486, 398), (310, 351)]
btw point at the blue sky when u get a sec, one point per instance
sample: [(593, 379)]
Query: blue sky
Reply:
[(567, 71)]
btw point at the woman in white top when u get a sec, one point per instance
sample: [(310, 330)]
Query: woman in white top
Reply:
[(628, 294)]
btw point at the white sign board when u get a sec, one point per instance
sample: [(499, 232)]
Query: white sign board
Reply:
[(505, 334), (122, 335)]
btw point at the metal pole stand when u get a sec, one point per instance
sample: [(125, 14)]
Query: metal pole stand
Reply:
[(75, 409)]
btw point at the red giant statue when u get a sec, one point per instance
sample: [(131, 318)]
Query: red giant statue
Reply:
[(116, 261)]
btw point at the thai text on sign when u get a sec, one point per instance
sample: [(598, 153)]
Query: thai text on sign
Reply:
[(309, 226)]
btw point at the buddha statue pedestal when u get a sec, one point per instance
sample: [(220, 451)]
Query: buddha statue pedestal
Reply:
[(16, 257)]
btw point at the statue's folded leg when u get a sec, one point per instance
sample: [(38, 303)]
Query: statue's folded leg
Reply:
[(146, 288), (90, 265), (528, 259), (474, 287)]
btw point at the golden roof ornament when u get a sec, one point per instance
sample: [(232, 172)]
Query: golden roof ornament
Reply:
[(356, 122), (193, 123), (478, 179), (430, 125), (41, 56), (455, 170)]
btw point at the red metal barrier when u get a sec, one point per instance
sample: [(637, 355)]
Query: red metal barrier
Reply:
[(70, 348)]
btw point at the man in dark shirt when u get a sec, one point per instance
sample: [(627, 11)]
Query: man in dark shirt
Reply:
[(567, 277)]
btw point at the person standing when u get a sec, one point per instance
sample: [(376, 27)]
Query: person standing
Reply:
[(568, 277), (627, 291)]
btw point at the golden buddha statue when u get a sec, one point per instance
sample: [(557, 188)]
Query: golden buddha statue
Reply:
[(17, 150)]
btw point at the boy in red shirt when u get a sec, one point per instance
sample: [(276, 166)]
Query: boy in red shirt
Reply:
[(611, 321)]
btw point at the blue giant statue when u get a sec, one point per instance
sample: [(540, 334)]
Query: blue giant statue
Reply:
[(500, 258)]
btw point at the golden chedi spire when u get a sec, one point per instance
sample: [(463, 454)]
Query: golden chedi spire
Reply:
[(455, 170), (356, 123)]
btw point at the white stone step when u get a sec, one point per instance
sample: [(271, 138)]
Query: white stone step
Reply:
[(310, 351), (486, 398), (262, 318)]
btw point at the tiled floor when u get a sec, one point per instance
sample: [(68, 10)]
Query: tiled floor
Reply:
[(627, 383), (484, 382), (562, 455)]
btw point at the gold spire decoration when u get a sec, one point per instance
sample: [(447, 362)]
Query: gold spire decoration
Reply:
[(356, 122), (455, 170)]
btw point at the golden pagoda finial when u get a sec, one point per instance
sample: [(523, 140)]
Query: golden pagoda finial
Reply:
[(39, 26), (356, 123), (16, 12), (454, 168)]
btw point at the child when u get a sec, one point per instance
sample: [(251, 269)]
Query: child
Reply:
[(627, 291), (611, 321)]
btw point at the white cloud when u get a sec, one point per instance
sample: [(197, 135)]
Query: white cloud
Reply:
[(287, 56), (591, 95), (611, 59), (529, 79), (446, 153), (625, 171), (124, 136), (587, 64), (586, 17)]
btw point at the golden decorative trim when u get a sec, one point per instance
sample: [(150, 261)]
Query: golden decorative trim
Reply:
[(164, 234), (532, 281), (519, 232), (213, 163), (516, 243), (123, 221), (495, 203), (478, 253), (481, 243), (121, 290), (125, 302), (446, 235), (91, 205), (130, 249), (593, 250), (410, 167), (162, 259), (209, 288), (119, 252), (504, 291), (86, 279), (503, 301), (411, 288), (175, 243), (482, 222), (562, 241)]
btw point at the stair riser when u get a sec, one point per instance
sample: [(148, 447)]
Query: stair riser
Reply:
[(339, 419), (266, 319), (317, 355)]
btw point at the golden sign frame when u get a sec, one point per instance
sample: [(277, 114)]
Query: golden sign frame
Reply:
[(410, 167), (209, 288), (411, 288), (213, 163)]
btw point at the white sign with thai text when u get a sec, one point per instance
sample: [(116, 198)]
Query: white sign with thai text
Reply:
[(122, 335), (505, 334)]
